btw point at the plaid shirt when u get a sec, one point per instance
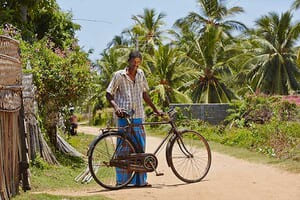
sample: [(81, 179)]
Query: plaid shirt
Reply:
[(128, 94)]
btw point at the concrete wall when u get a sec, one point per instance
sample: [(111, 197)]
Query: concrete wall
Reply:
[(213, 113)]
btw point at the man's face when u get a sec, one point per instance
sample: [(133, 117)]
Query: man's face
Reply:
[(135, 62)]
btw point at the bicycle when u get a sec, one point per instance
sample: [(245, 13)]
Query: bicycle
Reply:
[(187, 153)]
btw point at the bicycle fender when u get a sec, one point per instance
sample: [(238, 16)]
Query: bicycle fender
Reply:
[(168, 151)]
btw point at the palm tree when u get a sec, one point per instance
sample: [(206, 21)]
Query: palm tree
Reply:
[(119, 41), (272, 68), (209, 57), (296, 4), (298, 58), (112, 60), (147, 29), (169, 74), (213, 12)]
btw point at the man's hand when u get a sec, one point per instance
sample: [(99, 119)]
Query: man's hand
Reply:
[(119, 112), (159, 113), (149, 102)]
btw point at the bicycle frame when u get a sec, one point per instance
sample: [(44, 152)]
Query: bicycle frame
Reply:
[(136, 160), (173, 131)]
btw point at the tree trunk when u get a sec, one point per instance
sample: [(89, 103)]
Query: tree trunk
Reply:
[(50, 125), (51, 131), (24, 13)]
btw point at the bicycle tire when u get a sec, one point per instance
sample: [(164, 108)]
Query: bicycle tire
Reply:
[(201, 146), (107, 176)]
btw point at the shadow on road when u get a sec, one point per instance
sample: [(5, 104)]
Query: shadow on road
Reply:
[(154, 186)]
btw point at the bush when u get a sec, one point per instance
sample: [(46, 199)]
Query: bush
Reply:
[(276, 138), (260, 109), (103, 117)]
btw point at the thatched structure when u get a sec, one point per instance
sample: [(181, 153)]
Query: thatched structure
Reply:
[(13, 150)]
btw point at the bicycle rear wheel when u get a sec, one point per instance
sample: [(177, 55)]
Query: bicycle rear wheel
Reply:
[(110, 146), (190, 156)]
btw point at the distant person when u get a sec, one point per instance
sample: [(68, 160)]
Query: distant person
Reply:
[(73, 123), (127, 90)]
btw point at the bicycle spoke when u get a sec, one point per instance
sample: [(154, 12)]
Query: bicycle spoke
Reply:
[(109, 147), (190, 157)]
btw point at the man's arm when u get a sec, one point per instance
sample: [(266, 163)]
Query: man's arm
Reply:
[(147, 99), (112, 102)]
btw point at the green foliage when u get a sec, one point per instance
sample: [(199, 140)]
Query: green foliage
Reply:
[(62, 79), (103, 117), (260, 109), (286, 111), (207, 54), (215, 13), (296, 4), (271, 65), (27, 196), (171, 73), (251, 109), (37, 19), (45, 176), (279, 139), (147, 30), (39, 163)]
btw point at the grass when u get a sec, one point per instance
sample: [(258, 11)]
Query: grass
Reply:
[(239, 152), (81, 142), (27, 196), (45, 177), (256, 157)]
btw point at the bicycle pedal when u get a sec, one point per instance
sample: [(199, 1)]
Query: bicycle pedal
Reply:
[(159, 174)]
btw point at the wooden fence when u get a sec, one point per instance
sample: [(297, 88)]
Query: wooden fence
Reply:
[(13, 151)]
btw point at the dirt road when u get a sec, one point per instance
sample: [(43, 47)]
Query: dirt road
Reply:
[(228, 178)]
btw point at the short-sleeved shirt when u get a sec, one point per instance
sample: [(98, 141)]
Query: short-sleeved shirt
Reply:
[(128, 94)]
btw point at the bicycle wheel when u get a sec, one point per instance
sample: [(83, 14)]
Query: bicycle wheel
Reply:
[(190, 156), (111, 145)]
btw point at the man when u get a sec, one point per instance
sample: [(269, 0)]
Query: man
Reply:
[(127, 90), (73, 122)]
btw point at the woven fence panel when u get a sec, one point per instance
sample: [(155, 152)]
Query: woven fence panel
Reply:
[(11, 145), (9, 47), (10, 100), (10, 70)]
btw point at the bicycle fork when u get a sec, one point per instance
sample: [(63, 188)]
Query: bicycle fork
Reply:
[(183, 148)]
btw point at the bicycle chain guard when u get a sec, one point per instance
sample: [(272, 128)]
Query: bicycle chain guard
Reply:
[(139, 162)]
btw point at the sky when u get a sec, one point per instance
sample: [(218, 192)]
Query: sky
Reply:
[(113, 16)]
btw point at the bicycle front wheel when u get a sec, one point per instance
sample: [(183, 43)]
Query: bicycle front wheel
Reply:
[(108, 147), (190, 156)]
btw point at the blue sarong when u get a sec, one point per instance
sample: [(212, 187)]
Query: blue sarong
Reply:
[(138, 138)]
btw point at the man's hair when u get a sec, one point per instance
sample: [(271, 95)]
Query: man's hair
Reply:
[(134, 54)]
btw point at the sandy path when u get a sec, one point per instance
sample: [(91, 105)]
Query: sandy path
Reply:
[(228, 178)]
